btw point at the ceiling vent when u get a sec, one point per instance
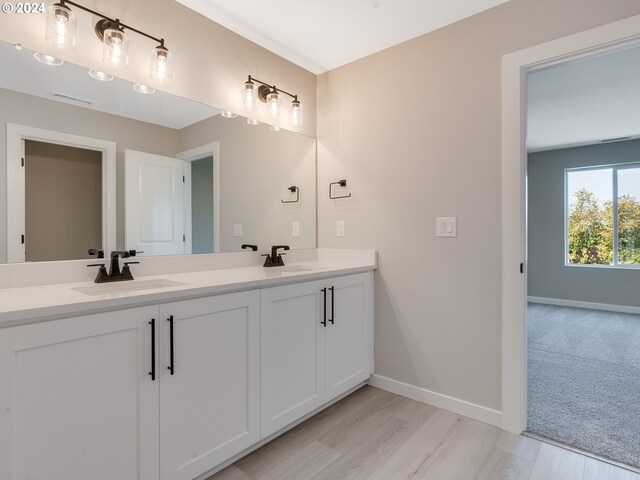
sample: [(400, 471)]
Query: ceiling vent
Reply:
[(69, 99), (619, 139)]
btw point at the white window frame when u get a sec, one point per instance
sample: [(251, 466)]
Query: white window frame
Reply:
[(615, 168)]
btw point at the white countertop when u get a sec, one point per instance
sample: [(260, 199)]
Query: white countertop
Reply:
[(31, 304)]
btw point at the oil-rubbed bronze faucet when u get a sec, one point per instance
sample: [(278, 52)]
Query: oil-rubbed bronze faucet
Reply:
[(275, 260), (114, 275)]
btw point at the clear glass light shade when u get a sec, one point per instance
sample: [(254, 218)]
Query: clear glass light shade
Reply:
[(228, 114), (60, 27), (249, 96), (253, 121), (48, 59), (274, 128), (145, 89), (160, 65), (295, 116), (115, 50), (273, 103)]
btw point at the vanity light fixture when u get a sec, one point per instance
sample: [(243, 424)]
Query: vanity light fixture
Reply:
[(147, 90), (48, 59), (270, 94), (101, 76), (61, 32), (228, 114)]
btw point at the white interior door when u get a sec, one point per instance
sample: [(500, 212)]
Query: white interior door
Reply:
[(155, 203)]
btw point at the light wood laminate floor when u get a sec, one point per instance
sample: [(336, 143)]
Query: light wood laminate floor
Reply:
[(376, 435)]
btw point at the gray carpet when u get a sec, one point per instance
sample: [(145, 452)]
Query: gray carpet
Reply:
[(584, 380)]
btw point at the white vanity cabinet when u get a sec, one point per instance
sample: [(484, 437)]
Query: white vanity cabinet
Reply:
[(77, 400), (316, 343)]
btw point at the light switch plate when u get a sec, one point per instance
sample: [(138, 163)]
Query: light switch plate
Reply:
[(237, 229), (446, 227), (340, 230), (295, 229)]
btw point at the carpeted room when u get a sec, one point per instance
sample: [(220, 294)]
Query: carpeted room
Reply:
[(583, 251)]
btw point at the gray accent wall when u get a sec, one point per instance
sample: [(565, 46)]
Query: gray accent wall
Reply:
[(547, 274)]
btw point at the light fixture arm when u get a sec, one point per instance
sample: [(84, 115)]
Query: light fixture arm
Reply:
[(114, 21), (272, 87)]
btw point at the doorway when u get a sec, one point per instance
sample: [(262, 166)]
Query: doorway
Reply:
[(516, 66), (63, 201)]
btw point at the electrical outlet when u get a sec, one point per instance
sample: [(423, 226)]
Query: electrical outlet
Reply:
[(340, 230), (237, 229), (295, 229)]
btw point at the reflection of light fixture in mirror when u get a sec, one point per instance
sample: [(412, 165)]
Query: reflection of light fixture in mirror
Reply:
[(295, 117), (270, 94), (115, 50), (274, 128), (60, 26), (249, 95), (252, 121), (140, 88), (48, 59), (61, 32), (98, 75), (160, 64), (228, 114)]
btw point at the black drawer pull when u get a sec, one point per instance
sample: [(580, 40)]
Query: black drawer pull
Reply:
[(153, 349), (324, 307), (333, 313), (171, 366)]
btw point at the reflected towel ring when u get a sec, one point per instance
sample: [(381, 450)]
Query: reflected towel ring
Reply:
[(292, 189), (342, 183)]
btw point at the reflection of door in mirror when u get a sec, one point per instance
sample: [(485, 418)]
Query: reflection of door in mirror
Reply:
[(157, 201), (60, 195), (63, 201)]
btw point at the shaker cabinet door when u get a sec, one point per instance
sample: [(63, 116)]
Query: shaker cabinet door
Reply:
[(210, 381), (77, 401), (349, 333), (292, 352)]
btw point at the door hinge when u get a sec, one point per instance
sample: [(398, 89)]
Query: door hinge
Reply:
[(184, 237), (22, 162), (522, 268), (22, 239), (183, 180)]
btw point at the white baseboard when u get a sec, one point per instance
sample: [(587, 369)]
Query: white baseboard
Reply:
[(593, 306), (455, 405)]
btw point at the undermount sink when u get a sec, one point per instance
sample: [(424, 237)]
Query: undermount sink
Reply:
[(127, 286), (291, 269)]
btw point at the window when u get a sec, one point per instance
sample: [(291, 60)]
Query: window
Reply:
[(603, 215)]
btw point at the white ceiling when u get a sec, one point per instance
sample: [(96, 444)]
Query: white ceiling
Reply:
[(585, 102), (22, 73), (320, 35)]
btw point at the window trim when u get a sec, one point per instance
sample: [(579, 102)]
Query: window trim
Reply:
[(615, 167)]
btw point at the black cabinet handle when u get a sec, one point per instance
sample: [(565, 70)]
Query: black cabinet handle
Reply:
[(153, 349), (324, 307), (171, 366), (332, 306)]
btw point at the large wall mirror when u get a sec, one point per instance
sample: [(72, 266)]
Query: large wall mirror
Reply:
[(95, 164)]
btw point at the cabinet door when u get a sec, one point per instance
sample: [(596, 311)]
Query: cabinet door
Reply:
[(209, 406), (77, 401), (292, 352), (349, 333)]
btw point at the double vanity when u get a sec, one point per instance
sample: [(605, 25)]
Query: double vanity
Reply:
[(173, 375)]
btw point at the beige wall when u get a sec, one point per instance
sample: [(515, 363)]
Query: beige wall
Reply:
[(256, 168), (43, 113), (63, 201), (211, 62), (415, 130)]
